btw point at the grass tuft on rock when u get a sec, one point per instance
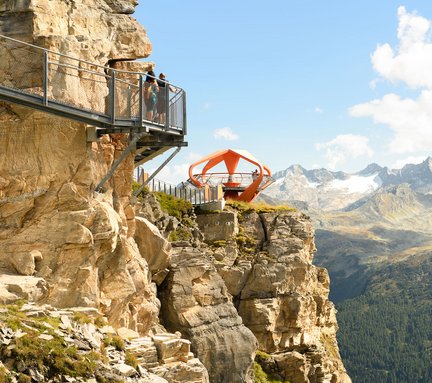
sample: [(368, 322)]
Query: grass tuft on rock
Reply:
[(180, 234), (52, 357), (131, 360), (262, 377), (264, 369), (115, 341), (258, 207), (175, 207)]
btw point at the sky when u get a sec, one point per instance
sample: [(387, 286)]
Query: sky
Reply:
[(331, 84)]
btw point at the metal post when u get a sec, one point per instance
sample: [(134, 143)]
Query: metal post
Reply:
[(167, 107), (184, 114), (157, 171), (141, 100), (45, 78), (112, 96)]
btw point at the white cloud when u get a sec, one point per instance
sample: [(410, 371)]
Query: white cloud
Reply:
[(225, 134), (373, 83), (410, 120), (173, 174), (319, 110), (192, 157), (176, 173), (399, 164), (411, 61), (343, 147)]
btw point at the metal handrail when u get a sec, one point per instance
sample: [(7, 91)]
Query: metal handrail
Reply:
[(183, 191), (124, 104), (229, 180)]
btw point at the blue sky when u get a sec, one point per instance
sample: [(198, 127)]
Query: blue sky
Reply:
[(323, 84)]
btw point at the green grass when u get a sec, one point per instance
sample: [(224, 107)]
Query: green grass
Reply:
[(136, 186), (245, 244), (53, 357), (258, 207), (262, 377), (173, 206), (262, 359), (115, 341), (131, 360), (218, 243), (50, 357), (180, 234)]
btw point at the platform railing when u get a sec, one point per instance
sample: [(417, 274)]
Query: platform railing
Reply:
[(115, 95), (234, 180), (183, 191)]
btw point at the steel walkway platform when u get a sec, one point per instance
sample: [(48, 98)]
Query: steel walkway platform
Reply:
[(108, 99)]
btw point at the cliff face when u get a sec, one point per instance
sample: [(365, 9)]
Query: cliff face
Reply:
[(65, 245), (265, 260), (52, 223)]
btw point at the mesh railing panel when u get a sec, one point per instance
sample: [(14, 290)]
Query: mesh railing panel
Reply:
[(70, 81), (176, 110), (74, 82), (21, 66), (241, 180), (184, 191)]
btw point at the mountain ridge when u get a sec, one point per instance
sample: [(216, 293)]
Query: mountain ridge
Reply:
[(328, 190)]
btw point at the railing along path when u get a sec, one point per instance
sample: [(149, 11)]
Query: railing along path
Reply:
[(101, 96), (183, 191), (233, 181)]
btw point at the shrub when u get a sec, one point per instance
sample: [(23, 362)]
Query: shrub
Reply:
[(131, 360), (175, 207), (180, 234), (258, 207), (115, 341)]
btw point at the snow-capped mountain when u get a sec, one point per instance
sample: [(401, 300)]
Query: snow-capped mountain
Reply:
[(326, 190)]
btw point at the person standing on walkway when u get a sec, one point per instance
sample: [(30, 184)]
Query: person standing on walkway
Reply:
[(151, 89), (162, 99)]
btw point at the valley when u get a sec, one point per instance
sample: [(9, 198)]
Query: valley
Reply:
[(374, 235)]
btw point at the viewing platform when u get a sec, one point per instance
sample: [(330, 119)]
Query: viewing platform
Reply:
[(108, 99), (236, 186)]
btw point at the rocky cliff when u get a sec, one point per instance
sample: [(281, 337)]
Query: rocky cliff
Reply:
[(222, 294)]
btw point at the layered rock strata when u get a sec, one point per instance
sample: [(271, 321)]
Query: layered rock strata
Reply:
[(46, 344), (266, 263), (195, 301), (53, 225)]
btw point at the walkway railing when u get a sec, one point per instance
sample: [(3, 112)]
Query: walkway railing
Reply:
[(184, 191), (92, 93), (234, 180)]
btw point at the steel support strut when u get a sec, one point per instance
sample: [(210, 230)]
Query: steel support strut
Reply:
[(118, 161)]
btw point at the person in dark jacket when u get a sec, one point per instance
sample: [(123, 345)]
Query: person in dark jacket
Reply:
[(162, 97), (151, 90)]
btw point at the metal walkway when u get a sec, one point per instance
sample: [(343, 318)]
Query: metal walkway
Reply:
[(109, 99)]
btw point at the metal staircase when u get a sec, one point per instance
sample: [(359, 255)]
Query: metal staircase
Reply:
[(110, 100)]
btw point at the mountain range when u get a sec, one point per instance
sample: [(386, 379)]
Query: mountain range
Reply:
[(326, 190), (374, 235)]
